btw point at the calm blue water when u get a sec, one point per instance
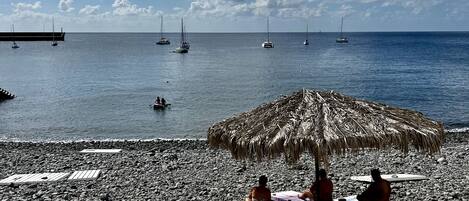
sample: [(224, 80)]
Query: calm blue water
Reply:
[(100, 86)]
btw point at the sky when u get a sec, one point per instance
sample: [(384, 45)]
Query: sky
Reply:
[(235, 15)]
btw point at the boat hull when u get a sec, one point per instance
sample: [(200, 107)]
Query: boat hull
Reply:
[(163, 42), (181, 50), (159, 107), (267, 45), (341, 40)]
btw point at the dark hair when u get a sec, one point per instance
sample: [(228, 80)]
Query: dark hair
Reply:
[(263, 180), (375, 174), (322, 173)]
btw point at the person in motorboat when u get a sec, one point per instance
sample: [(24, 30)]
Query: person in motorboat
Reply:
[(163, 101), (157, 101)]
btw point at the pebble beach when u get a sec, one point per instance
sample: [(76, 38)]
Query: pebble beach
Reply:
[(190, 170)]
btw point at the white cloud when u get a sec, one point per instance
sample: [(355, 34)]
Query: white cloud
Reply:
[(283, 8), (27, 11), (26, 6), (65, 5), (345, 10), (126, 8), (217, 8), (416, 6), (89, 10)]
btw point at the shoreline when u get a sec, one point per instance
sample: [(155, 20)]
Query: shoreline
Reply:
[(454, 131), (189, 170)]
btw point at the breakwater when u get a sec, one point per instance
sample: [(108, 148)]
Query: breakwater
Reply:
[(32, 36), (5, 95)]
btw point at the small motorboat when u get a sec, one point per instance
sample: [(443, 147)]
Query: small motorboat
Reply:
[(160, 106)]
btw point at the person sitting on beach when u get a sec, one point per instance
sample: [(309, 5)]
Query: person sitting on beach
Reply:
[(163, 101), (379, 190), (157, 101), (325, 189), (261, 192)]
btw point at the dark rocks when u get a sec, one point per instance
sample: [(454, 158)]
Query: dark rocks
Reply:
[(189, 170)]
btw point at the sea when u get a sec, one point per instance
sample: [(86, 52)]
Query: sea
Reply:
[(100, 86)]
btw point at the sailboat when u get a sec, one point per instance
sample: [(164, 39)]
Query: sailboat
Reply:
[(306, 41), (184, 45), (54, 43), (268, 43), (163, 40), (14, 45), (342, 38)]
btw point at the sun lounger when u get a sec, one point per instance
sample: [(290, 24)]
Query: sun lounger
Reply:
[(33, 178), (391, 178), (349, 198), (84, 175), (286, 196), (107, 151)]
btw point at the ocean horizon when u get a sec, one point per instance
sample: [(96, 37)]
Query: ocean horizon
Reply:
[(99, 86)]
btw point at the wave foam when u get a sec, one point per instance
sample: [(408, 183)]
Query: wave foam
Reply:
[(102, 140), (458, 130)]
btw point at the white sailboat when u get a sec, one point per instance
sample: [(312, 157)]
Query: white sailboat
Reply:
[(184, 45), (54, 42), (342, 38), (306, 41), (268, 43), (14, 45), (163, 40)]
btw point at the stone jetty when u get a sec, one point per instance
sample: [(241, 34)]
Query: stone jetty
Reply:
[(5, 95)]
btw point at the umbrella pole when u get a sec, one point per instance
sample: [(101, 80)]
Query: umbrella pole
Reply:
[(316, 166)]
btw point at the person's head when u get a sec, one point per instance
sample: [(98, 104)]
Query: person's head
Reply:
[(322, 174), (375, 174), (263, 180)]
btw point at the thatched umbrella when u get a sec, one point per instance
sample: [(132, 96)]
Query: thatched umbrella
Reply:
[(323, 123)]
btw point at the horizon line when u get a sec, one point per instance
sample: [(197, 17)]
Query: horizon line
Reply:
[(157, 32)]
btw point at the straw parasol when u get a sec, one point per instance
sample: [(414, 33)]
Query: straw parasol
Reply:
[(322, 124)]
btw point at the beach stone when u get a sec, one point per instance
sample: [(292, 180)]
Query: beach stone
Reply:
[(441, 160), (207, 174)]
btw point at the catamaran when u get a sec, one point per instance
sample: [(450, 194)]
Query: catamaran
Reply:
[(163, 40), (341, 38), (268, 43), (54, 42), (184, 45), (14, 45), (306, 41)]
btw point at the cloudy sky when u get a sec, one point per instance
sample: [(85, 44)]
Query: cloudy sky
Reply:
[(235, 15)]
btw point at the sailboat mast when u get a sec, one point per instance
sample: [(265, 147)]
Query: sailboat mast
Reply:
[(161, 27), (13, 31), (53, 30), (341, 26), (306, 31), (182, 30), (268, 31)]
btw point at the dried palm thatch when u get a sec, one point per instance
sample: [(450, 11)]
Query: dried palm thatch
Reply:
[(323, 123)]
